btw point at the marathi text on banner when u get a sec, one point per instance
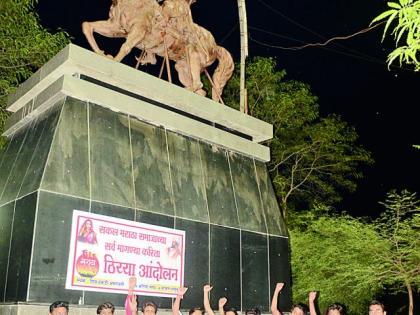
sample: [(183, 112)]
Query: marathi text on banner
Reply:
[(105, 252)]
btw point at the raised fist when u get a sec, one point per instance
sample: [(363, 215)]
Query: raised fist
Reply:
[(207, 288), (222, 302)]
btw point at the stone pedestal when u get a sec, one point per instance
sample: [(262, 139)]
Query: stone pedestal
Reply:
[(91, 134)]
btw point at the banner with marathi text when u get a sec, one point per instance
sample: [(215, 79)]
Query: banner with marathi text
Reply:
[(105, 252)]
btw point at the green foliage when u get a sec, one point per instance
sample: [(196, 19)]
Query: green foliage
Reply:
[(335, 255), (406, 15), (312, 158), (25, 46), (352, 260), (399, 226)]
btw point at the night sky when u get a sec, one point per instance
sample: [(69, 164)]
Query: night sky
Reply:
[(350, 77)]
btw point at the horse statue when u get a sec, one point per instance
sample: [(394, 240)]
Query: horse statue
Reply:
[(166, 30)]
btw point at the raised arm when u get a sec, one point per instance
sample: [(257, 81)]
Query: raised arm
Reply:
[(177, 302), (131, 300), (312, 297), (277, 290), (206, 289), (222, 303)]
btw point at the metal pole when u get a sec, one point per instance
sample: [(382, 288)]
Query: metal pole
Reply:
[(243, 24)]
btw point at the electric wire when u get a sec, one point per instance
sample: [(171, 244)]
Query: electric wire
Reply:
[(276, 11), (323, 47), (229, 33)]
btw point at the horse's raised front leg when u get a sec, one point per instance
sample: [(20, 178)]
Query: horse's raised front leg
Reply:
[(106, 28), (134, 37)]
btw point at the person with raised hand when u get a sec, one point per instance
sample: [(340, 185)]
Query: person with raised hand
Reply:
[(297, 309), (177, 302), (222, 302), (131, 299), (206, 291), (332, 309), (229, 311)]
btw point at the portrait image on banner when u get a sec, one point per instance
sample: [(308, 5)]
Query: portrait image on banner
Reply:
[(105, 252)]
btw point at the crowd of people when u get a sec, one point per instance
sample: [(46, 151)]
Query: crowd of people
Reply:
[(375, 307), (150, 308)]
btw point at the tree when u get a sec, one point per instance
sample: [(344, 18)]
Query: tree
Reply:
[(25, 46), (336, 255), (399, 226), (312, 158), (406, 15), (353, 260)]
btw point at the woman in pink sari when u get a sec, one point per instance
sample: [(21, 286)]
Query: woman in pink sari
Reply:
[(86, 233)]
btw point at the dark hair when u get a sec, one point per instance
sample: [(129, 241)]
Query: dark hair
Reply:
[(253, 311), (300, 306), (58, 304), (337, 306), (105, 306), (149, 303), (376, 302), (198, 308), (232, 309)]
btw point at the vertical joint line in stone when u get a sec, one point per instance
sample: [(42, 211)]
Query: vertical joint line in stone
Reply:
[(233, 189), (207, 207), (33, 245), (132, 166), (266, 227), (170, 175), (239, 223), (89, 157), (10, 249), (52, 141), (240, 269), (268, 269), (260, 194)]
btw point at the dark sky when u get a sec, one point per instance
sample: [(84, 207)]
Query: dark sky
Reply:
[(350, 77)]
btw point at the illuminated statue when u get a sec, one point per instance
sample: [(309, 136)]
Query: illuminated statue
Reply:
[(166, 30)]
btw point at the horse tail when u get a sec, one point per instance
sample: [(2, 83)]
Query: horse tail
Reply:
[(222, 73)]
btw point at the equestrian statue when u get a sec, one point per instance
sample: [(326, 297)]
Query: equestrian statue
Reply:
[(165, 29)]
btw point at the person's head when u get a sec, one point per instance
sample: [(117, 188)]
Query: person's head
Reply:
[(376, 308), (196, 311), (253, 311), (231, 311), (149, 308), (88, 225), (299, 309), (59, 308), (336, 309), (106, 308)]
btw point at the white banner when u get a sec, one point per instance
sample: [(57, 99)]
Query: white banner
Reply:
[(105, 252)]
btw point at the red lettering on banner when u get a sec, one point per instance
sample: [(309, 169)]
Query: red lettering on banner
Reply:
[(158, 272), (112, 266)]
